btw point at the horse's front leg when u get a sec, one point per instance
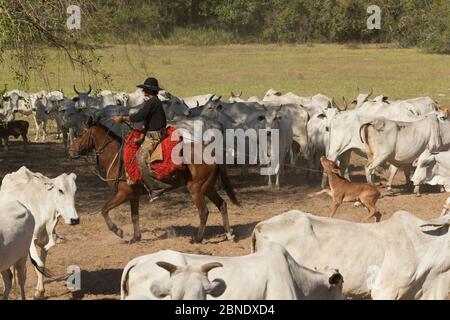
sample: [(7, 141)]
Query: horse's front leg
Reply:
[(118, 198), (134, 204)]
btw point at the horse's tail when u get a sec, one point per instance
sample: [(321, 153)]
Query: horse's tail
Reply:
[(227, 185)]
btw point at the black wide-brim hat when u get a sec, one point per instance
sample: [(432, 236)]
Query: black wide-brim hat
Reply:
[(150, 84)]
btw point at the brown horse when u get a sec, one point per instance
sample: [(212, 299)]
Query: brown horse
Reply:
[(199, 179)]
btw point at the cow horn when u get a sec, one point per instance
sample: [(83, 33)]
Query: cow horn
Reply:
[(171, 268), (371, 92), (240, 95), (90, 89), (218, 99), (4, 90), (333, 103), (345, 105), (233, 95), (75, 89), (209, 266), (198, 104), (357, 88), (212, 97)]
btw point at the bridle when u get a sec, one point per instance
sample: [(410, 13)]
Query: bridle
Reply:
[(105, 143), (99, 151)]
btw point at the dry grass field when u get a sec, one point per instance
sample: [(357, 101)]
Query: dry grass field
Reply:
[(334, 70), (170, 222)]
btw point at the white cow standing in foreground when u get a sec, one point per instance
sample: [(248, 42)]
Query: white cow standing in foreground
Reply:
[(16, 232), (402, 258), (47, 199), (269, 274), (432, 168)]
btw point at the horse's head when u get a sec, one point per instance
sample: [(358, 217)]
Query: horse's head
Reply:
[(84, 143)]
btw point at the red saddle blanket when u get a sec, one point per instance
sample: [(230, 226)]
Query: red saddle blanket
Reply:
[(163, 169)]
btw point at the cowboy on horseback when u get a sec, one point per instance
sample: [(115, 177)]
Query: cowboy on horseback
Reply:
[(149, 125)]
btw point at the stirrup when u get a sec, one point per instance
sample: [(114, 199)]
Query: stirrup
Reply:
[(151, 192)]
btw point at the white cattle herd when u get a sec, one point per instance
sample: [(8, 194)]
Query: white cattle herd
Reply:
[(295, 255)]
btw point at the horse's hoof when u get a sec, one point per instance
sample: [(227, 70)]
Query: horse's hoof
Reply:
[(230, 237), (357, 204), (418, 195), (134, 240), (39, 295), (119, 232), (196, 240)]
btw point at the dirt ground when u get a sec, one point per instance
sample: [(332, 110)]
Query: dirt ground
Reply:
[(170, 222)]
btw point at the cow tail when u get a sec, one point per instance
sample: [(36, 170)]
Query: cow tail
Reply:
[(124, 283), (365, 138), (41, 269), (227, 185)]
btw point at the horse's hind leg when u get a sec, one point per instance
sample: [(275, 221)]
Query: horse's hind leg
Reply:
[(134, 203), (117, 199), (198, 198), (222, 206)]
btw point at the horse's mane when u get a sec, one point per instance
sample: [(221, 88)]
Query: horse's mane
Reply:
[(109, 132)]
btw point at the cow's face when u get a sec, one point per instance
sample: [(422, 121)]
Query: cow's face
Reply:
[(83, 99), (63, 192), (175, 107), (188, 283), (424, 168), (121, 98)]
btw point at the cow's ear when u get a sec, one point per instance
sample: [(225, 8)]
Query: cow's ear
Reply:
[(73, 176), (160, 289), (427, 162), (216, 288), (415, 163), (219, 107), (321, 116)]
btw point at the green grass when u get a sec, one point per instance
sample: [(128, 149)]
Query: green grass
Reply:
[(334, 70)]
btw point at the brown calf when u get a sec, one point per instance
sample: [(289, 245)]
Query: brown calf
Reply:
[(343, 190), (14, 128)]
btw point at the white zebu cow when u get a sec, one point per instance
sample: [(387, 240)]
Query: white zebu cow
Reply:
[(47, 199), (269, 274), (319, 139), (38, 102), (401, 143), (313, 104), (280, 120), (12, 100), (432, 168), (16, 232), (56, 104), (111, 98), (401, 258)]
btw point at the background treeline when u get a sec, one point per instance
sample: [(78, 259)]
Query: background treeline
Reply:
[(424, 23)]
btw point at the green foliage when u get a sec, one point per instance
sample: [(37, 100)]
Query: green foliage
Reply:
[(29, 26)]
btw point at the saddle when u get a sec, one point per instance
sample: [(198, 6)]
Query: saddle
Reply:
[(154, 159)]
